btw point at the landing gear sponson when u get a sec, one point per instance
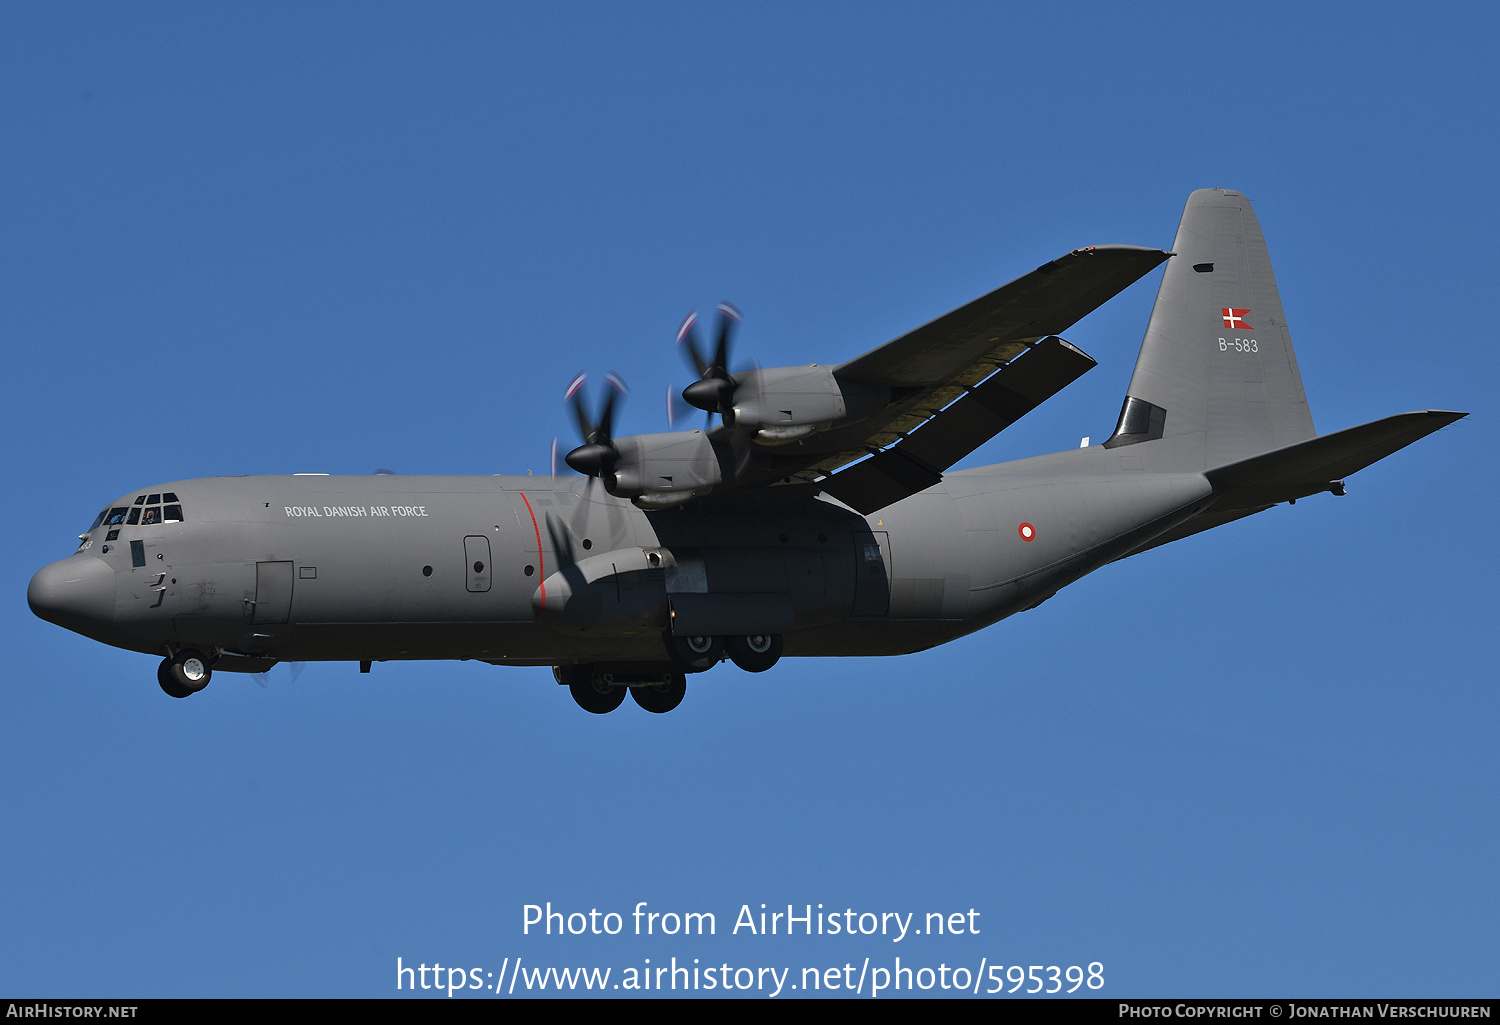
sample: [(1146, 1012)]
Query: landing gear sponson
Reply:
[(660, 687)]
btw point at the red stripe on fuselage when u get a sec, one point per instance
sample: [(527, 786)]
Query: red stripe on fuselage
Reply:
[(540, 564)]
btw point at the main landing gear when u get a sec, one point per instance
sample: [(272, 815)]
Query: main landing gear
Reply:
[(755, 653), (661, 697), (594, 692), (660, 686), (695, 654), (598, 690), (184, 673)]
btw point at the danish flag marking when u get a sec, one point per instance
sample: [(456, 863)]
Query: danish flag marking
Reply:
[(1235, 319)]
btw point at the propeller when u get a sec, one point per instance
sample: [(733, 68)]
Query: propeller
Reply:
[(677, 408), (596, 456), (713, 392)]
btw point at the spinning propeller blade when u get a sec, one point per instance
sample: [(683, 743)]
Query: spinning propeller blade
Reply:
[(713, 392), (597, 455)]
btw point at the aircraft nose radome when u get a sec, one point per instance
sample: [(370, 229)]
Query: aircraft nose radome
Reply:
[(74, 593)]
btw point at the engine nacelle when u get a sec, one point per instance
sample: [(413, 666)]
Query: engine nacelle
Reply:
[(659, 470), (783, 404)]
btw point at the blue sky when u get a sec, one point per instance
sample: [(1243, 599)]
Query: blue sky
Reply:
[(333, 238)]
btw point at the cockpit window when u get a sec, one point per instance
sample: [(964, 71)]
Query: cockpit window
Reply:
[(145, 511)]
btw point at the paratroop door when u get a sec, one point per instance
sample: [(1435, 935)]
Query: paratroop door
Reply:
[(273, 592), (872, 573)]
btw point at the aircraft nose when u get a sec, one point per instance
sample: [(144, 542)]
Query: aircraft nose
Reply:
[(75, 593)]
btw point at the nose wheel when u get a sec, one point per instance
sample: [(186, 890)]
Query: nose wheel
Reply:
[(184, 674)]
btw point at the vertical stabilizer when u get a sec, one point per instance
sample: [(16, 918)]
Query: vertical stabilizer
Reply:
[(1216, 380)]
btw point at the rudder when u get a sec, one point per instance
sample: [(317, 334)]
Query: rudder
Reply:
[(1216, 380)]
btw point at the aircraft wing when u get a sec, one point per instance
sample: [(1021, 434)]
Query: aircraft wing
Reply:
[(992, 329), (929, 368), (917, 461)]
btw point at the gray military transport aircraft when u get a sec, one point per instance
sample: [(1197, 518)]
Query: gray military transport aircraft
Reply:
[(819, 517)]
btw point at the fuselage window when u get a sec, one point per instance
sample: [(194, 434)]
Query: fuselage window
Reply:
[(99, 519), (153, 515), (134, 517), (117, 516), (172, 513), (169, 497), (153, 499), (139, 500)]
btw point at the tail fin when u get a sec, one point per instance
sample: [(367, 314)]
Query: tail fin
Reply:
[(1216, 380)]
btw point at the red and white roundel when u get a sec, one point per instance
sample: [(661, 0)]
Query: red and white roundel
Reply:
[(1027, 532)]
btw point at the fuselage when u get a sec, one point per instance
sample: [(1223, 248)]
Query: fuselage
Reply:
[(548, 570)]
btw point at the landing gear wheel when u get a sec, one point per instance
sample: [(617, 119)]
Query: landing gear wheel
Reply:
[(755, 653), (184, 674), (596, 694), (695, 654), (661, 697)]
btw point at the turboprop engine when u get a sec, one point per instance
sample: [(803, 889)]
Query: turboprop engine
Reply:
[(773, 406), (780, 405), (659, 470)]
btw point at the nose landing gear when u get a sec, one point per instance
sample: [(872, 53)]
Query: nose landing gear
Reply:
[(185, 673)]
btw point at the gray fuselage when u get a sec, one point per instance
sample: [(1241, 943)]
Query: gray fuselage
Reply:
[(551, 570)]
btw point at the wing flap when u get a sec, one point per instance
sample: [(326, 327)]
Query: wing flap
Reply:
[(917, 462)]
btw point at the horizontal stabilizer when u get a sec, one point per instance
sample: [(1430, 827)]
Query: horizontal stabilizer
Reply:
[(917, 462), (1315, 465)]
